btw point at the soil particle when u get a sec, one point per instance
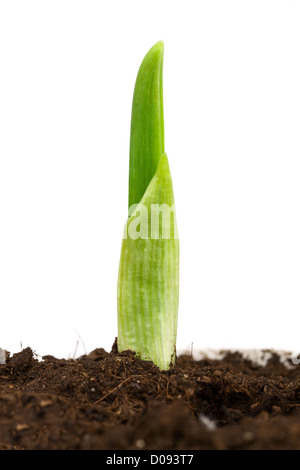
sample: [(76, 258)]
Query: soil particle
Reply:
[(116, 401)]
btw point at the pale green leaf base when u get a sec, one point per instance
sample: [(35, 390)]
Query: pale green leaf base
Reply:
[(148, 283)]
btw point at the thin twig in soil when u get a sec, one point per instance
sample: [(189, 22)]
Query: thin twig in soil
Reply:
[(164, 389), (116, 388)]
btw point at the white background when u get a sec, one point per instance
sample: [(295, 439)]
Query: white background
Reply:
[(232, 127)]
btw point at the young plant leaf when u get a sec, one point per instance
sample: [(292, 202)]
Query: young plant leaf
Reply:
[(148, 281), (147, 124)]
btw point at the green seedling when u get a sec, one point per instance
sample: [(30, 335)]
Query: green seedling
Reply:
[(148, 282)]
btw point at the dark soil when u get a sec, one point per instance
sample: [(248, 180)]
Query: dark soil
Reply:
[(116, 401)]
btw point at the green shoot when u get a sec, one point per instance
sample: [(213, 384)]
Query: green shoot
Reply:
[(148, 281)]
